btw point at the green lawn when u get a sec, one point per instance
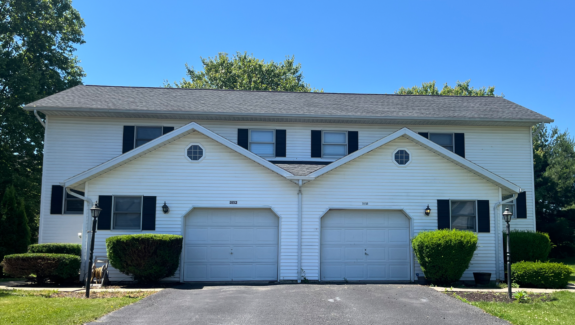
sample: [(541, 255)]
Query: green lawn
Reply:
[(567, 261), (558, 311), (21, 307)]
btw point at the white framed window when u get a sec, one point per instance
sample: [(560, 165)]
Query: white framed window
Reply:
[(145, 134), (464, 215), (401, 157), (443, 139), (195, 152), (510, 205), (334, 144), (72, 204), (127, 213), (262, 142)]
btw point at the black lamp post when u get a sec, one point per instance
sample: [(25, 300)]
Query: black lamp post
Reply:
[(507, 217), (95, 211)]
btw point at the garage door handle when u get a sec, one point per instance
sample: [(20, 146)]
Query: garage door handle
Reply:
[(366, 253), (231, 252)]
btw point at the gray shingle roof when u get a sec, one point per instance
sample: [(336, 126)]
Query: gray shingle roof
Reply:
[(302, 169), (233, 102)]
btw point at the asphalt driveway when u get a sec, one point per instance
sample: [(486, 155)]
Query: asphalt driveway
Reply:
[(300, 304)]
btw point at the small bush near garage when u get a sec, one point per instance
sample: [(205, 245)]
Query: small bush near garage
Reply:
[(541, 275), (528, 246), (58, 268), (146, 257), (444, 254), (70, 249)]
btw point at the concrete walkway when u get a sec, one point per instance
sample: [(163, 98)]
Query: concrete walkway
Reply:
[(300, 304)]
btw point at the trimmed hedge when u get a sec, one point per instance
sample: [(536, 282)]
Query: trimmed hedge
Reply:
[(70, 249), (56, 267), (541, 275), (146, 257), (528, 246), (444, 254)]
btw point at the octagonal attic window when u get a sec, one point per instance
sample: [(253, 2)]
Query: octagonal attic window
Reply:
[(195, 152), (401, 157)]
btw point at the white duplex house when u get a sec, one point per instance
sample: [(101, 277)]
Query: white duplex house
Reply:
[(278, 186)]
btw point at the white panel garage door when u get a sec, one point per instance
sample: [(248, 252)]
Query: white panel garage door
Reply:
[(231, 245), (365, 245)]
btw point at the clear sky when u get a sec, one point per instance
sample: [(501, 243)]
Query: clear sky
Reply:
[(526, 49)]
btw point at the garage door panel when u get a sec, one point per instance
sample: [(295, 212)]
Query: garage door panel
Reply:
[(398, 236), (231, 244), (364, 245)]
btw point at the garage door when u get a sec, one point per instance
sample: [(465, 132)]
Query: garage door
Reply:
[(365, 245), (231, 245)]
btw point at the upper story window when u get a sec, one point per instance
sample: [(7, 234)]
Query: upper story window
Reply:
[(146, 134), (127, 213), (334, 144), (72, 204), (464, 215), (510, 205), (443, 139), (262, 142)]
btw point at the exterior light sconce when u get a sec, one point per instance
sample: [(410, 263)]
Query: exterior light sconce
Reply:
[(427, 210), (165, 208)]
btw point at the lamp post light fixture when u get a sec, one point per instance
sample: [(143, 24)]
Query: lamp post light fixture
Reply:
[(427, 210), (95, 211), (507, 217)]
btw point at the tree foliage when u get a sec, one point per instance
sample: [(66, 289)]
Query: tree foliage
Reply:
[(14, 230), (245, 72), (460, 89), (37, 39)]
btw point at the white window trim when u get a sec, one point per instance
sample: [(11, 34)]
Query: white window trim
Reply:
[(145, 126), (259, 142), (65, 204), (514, 204), (337, 144), (396, 163), (114, 212), (452, 139), (476, 214), (188, 147)]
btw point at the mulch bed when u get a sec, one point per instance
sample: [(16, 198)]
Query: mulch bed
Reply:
[(104, 294), (117, 285), (497, 296)]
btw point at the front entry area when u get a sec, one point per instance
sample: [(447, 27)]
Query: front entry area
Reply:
[(365, 245), (231, 245)]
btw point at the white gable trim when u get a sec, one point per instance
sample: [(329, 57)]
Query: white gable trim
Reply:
[(432, 146), (162, 141)]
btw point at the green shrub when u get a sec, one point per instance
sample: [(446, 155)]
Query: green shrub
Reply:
[(71, 249), (146, 257), (444, 254), (562, 236), (528, 246), (56, 267), (541, 275)]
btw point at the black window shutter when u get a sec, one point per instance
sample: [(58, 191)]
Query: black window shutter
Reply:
[(57, 199), (128, 142), (243, 138), (315, 144), (105, 218), (521, 205), (167, 129), (443, 214), (149, 213), (281, 139), (352, 141), (483, 224), (459, 145), (424, 134)]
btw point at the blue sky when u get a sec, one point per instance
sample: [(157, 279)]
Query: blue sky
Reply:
[(524, 48)]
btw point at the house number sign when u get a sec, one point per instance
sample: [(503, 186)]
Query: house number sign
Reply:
[(233, 202)]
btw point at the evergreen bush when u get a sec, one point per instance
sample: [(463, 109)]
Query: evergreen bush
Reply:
[(444, 254), (14, 229), (541, 275), (71, 249), (528, 246), (56, 267), (146, 257)]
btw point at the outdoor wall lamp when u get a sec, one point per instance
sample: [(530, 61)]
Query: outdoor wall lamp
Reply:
[(427, 210), (165, 208)]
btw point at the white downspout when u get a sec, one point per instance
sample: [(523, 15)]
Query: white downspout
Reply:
[(39, 119), (299, 225), (85, 231), (497, 220)]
